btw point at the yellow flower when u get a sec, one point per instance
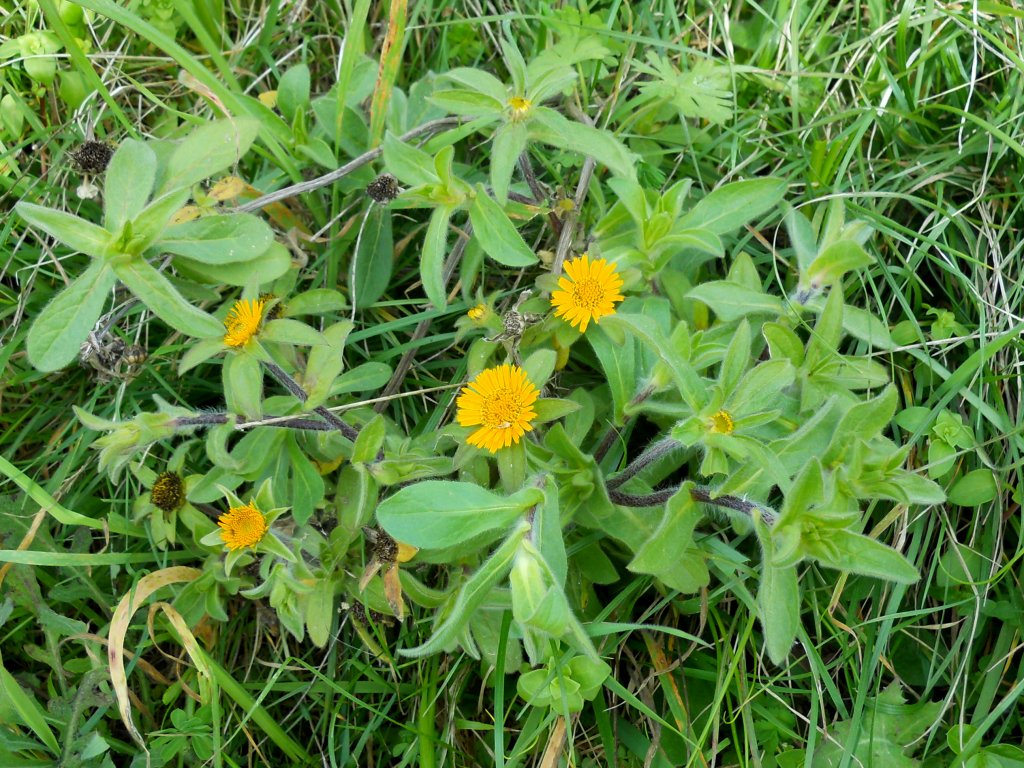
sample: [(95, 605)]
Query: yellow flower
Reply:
[(242, 527), (243, 321), (500, 401), (520, 107), (589, 293), (477, 312), (721, 423)]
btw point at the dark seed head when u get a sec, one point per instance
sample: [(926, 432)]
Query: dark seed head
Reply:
[(385, 548), (168, 491), (275, 311), (91, 157), (383, 189), (134, 355)]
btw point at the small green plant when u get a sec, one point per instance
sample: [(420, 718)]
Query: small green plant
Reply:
[(624, 388)]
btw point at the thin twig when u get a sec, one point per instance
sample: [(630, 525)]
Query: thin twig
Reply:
[(434, 126), (569, 224), (539, 195)]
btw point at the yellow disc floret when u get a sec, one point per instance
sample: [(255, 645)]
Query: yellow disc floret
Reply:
[(721, 423)]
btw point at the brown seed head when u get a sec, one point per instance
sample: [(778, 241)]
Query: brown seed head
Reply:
[(91, 156), (383, 189)]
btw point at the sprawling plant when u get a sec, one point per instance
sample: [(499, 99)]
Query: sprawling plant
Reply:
[(702, 415)]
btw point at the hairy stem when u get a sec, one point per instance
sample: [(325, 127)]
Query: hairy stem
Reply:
[(292, 386)]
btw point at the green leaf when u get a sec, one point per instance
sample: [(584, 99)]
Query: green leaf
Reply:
[(618, 363), (411, 165), (736, 359), (881, 735), (307, 485), (509, 143), (974, 489), (207, 150), (316, 301), (157, 293), (268, 266), (801, 235), (293, 92), (320, 611), (835, 261), (440, 513), (78, 234), (362, 378), (551, 127), (863, 325), (783, 343), (731, 301), (854, 552), (243, 385), (58, 332), (552, 409), (369, 270), (370, 441), (731, 206), (27, 709), (467, 103), (218, 239), (291, 332), (472, 594), (127, 183), (867, 419), (669, 554), (435, 248), (496, 234), (149, 224), (778, 608), (759, 389), (479, 81), (325, 363)]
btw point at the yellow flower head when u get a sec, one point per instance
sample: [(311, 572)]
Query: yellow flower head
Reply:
[(168, 492), (243, 321), (500, 402), (477, 312), (589, 293), (242, 527), (520, 107), (721, 423)]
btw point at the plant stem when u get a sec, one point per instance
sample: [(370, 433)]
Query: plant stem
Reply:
[(292, 386)]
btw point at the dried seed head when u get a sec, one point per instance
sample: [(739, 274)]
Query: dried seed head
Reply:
[(385, 548), (91, 156), (383, 189), (134, 355), (357, 612), (514, 324), (275, 311), (168, 491)]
